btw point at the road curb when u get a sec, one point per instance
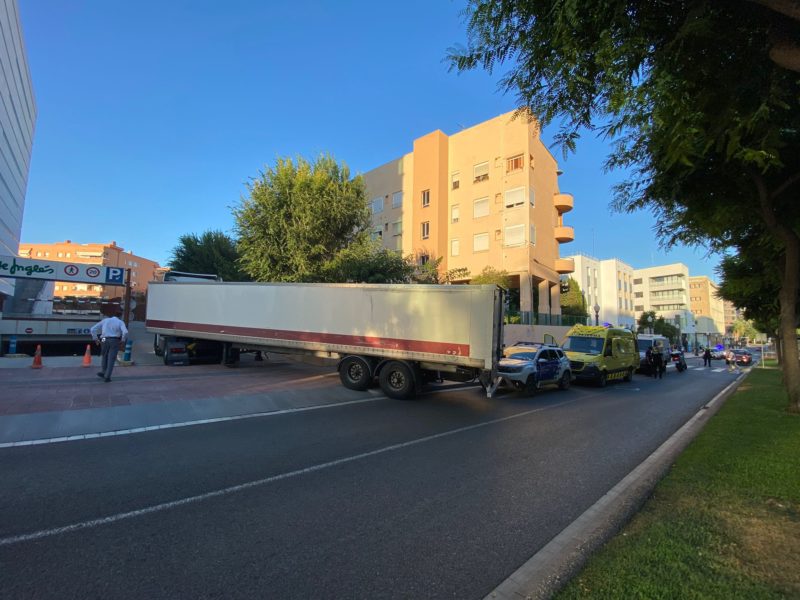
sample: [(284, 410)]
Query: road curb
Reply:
[(564, 556)]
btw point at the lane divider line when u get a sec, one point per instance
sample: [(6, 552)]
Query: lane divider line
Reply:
[(90, 524)]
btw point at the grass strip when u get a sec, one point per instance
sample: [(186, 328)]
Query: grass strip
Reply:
[(725, 522)]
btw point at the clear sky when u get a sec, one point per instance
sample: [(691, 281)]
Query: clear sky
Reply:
[(153, 115)]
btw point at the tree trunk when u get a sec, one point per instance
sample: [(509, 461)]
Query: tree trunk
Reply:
[(790, 284), (788, 324)]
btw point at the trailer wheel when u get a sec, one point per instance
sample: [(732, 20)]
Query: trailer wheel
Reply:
[(355, 373), (397, 380), (157, 350)]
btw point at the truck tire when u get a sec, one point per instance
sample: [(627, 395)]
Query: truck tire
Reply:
[(157, 350), (603, 379), (397, 380), (628, 375), (355, 373)]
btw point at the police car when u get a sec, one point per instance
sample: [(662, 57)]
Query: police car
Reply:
[(528, 366)]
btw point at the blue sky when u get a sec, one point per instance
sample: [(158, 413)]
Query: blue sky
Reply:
[(152, 116)]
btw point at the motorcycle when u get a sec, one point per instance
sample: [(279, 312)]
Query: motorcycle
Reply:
[(676, 356)]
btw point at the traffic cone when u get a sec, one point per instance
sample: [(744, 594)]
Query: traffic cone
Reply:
[(87, 356), (37, 358)]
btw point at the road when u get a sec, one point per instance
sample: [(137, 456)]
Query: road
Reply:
[(442, 497)]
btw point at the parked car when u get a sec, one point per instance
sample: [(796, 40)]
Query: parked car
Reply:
[(743, 357), (529, 366)]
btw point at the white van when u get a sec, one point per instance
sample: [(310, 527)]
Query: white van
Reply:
[(648, 340)]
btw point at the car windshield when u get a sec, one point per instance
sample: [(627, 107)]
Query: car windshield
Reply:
[(587, 345), (523, 355)]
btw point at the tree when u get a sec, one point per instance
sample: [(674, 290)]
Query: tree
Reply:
[(573, 302), (659, 325), (299, 217), (490, 275), (212, 252), (368, 263), (702, 110)]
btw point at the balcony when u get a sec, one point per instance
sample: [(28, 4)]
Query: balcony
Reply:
[(564, 266), (564, 234), (563, 203)]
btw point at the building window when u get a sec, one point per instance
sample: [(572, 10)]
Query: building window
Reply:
[(515, 235), (480, 172), (515, 197), (455, 180), (423, 259), (638, 307), (397, 228), (531, 197), (426, 229), (397, 199), (533, 234), (480, 208), (69, 254), (480, 242), (60, 254), (514, 163), (376, 234), (455, 247), (637, 281), (426, 197), (377, 205), (455, 212)]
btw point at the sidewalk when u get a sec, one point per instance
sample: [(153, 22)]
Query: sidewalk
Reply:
[(64, 400)]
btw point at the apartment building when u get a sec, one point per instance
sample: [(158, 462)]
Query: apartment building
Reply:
[(17, 119), (485, 196), (607, 286), (665, 290), (708, 309), (143, 270)]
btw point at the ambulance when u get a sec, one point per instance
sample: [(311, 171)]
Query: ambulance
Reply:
[(600, 354)]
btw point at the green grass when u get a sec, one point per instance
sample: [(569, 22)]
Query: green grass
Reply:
[(725, 522)]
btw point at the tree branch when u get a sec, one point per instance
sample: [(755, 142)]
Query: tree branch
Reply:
[(785, 185)]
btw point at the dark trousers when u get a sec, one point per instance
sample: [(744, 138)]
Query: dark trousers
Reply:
[(108, 353)]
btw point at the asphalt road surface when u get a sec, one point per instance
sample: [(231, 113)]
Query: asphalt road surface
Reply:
[(442, 497)]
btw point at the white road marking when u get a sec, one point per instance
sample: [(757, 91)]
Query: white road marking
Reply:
[(44, 533)]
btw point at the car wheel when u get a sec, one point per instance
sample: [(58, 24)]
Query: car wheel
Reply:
[(531, 385), (603, 379), (355, 373), (565, 381), (628, 376)]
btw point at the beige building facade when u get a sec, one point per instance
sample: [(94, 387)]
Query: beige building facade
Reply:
[(142, 270), (485, 196), (708, 309)]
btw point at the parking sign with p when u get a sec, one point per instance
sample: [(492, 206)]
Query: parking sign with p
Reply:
[(115, 275)]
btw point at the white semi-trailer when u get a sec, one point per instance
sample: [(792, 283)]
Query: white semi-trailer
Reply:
[(401, 335)]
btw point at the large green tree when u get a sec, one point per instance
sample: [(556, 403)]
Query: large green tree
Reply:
[(573, 302), (701, 106), (211, 252), (299, 217), (368, 262)]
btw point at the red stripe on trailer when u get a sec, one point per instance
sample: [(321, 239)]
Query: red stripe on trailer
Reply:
[(319, 337)]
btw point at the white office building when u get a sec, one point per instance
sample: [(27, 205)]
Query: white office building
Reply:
[(607, 286), (665, 290), (17, 118)]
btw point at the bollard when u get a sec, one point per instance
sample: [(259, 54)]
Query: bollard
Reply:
[(128, 349)]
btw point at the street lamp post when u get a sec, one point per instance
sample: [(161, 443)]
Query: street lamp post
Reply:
[(597, 314), (650, 322), (696, 351)]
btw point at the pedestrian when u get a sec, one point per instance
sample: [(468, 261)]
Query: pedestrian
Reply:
[(111, 333), (658, 362), (707, 357), (730, 360)]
